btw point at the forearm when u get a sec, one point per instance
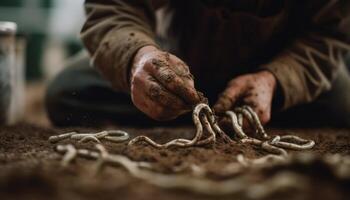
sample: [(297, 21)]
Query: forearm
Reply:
[(113, 33), (307, 67)]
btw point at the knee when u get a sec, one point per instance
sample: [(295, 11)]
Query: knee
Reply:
[(57, 95), (61, 94), (341, 112), (338, 99), (339, 109)]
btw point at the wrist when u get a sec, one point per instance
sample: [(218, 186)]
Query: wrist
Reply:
[(139, 56), (143, 51), (269, 78), (278, 98)]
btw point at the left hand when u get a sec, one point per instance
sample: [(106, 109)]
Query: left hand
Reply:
[(255, 90)]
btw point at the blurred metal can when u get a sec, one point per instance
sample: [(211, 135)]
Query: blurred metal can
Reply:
[(8, 73)]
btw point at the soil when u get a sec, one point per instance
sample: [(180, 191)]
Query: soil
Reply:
[(30, 168)]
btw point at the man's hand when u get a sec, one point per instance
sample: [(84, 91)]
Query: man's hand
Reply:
[(161, 84), (255, 90)]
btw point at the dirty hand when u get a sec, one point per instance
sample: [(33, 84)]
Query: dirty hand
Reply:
[(161, 84), (255, 90)]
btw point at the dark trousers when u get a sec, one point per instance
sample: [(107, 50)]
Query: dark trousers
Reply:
[(80, 96)]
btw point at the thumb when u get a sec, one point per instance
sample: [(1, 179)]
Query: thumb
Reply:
[(228, 98)]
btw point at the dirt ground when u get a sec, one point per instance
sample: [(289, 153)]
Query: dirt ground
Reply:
[(30, 167)]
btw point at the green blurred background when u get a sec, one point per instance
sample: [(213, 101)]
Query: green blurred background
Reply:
[(50, 30)]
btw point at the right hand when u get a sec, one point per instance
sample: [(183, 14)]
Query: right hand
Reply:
[(161, 84)]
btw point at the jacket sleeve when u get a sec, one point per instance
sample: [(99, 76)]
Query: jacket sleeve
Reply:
[(113, 33), (307, 67)]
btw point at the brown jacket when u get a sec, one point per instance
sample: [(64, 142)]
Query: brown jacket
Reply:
[(301, 42)]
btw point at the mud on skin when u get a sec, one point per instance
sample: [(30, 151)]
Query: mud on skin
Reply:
[(157, 81)]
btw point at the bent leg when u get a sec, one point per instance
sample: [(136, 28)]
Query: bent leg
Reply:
[(330, 109)]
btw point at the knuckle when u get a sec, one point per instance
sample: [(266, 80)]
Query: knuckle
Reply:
[(183, 66), (167, 76), (136, 79), (155, 91), (148, 65), (158, 63)]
